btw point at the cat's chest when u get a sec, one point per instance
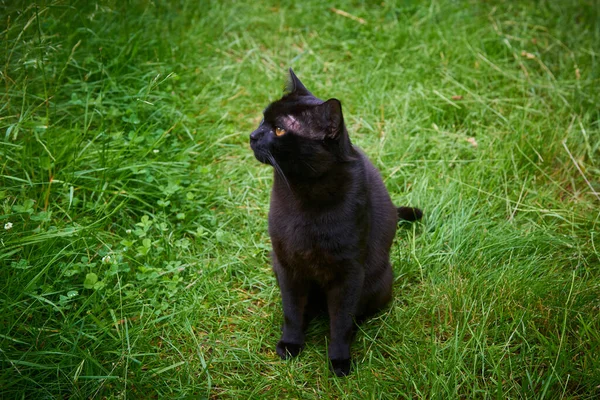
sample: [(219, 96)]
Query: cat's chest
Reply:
[(313, 242), (303, 233)]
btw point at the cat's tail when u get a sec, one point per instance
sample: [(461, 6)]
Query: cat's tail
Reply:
[(409, 214)]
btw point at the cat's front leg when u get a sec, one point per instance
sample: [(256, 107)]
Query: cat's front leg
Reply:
[(294, 296), (342, 304)]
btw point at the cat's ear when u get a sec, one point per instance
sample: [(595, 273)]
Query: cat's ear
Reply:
[(331, 111), (294, 86)]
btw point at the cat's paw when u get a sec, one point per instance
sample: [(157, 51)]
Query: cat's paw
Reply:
[(288, 350), (340, 367)]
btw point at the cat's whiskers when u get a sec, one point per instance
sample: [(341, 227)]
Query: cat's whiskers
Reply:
[(308, 165), (278, 168)]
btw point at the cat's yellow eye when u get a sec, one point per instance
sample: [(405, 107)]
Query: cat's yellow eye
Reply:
[(279, 131)]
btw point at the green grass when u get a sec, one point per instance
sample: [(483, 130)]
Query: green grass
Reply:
[(137, 262)]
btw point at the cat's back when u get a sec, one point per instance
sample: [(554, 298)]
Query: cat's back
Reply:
[(379, 197)]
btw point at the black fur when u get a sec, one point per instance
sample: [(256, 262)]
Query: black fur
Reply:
[(331, 221)]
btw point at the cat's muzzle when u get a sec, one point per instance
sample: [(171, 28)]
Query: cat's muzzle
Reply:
[(259, 147)]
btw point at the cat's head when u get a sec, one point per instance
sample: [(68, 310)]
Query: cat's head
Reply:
[(300, 134)]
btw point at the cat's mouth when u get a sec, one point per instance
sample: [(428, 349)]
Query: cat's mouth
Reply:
[(263, 156)]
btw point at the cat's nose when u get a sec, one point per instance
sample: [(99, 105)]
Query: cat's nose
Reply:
[(254, 136)]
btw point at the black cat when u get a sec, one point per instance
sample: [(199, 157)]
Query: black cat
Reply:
[(331, 221)]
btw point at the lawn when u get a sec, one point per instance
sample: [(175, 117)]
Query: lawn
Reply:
[(134, 253)]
